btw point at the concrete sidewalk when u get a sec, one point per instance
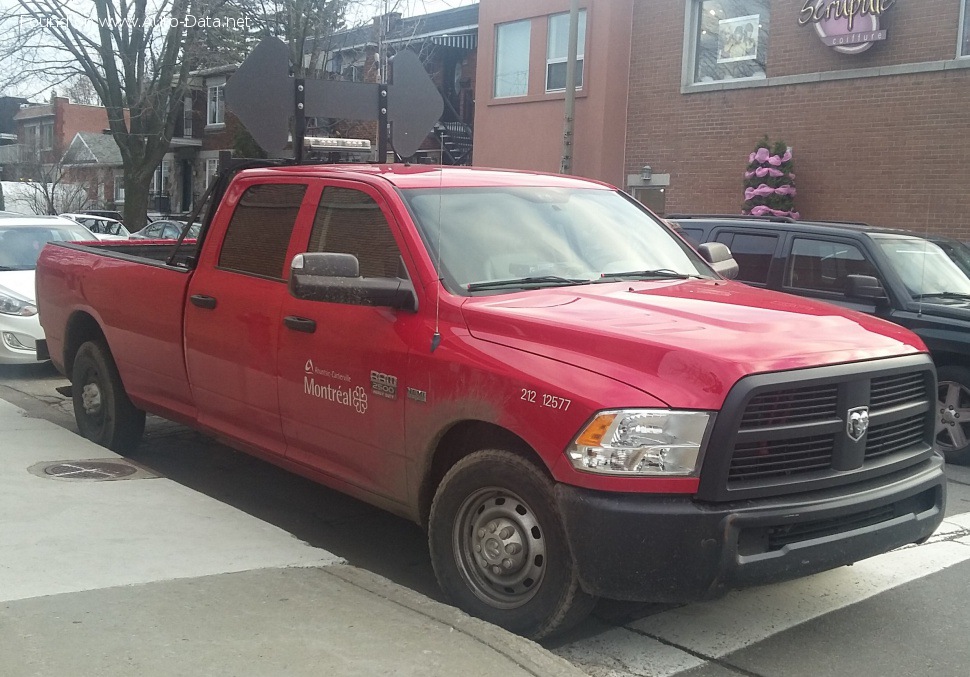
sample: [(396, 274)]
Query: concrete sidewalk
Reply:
[(142, 576)]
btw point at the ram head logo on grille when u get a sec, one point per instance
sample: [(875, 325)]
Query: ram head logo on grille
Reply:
[(857, 423)]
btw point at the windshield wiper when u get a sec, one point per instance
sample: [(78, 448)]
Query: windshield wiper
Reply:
[(533, 281), (944, 295), (660, 273)]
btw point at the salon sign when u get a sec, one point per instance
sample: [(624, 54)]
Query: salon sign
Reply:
[(847, 26)]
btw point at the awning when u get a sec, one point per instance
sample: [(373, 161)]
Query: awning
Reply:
[(460, 41)]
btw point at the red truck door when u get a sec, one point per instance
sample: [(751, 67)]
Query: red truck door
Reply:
[(232, 317), (343, 366)]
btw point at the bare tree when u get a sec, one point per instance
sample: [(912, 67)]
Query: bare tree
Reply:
[(134, 56), (48, 183), (80, 90), (137, 55)]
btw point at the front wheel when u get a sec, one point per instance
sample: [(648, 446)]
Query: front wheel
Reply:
[(102, 409), (953, 407), (499, 549)]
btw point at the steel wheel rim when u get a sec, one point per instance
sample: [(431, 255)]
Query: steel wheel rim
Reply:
[(953, 423), (499, 547), (92, 397)]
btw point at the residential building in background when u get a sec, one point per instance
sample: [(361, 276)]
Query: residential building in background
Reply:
[(876, 117)]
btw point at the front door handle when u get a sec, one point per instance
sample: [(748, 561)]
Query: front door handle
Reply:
[(300, 324), (203, 301)]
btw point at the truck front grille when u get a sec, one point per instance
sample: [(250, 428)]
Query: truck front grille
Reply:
[(801, 430)]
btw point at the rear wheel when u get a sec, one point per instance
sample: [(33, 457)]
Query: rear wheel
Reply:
[(953, 407), (102, 409), (499, 549)]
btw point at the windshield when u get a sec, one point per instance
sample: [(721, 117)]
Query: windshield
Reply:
[(532, 236), (20, 246), (925, 268)]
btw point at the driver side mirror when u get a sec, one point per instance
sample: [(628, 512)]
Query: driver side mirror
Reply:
[(865, 288), (719, 256), (335, 278)]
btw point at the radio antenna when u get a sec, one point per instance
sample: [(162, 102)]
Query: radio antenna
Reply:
[(926, 242), (436, 337)]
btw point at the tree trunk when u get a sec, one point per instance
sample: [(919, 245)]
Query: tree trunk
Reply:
[(136, 201)]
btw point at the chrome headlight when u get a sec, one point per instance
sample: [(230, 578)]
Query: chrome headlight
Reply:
[(641, 443), (15, 304)]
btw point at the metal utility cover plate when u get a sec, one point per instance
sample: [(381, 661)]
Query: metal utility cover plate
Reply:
[(95, 469)]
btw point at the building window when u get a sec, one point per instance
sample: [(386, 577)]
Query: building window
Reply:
[(119, 181), (557, 51), (47, 136), (965, 28), (187, 116), (512, 59), (211, 169), (160, 178), (730, 39), (217, 105)]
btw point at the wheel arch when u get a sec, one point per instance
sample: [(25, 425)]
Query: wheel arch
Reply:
[(81, 327), (946, 358), (458, 441)]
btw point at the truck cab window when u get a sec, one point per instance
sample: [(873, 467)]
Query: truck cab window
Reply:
[(259, 233), (824, 265), (753, 252), (349, 221)]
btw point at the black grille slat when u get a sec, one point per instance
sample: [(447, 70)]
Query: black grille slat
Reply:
[(791, 406), (888, 391), (892, 437), (779, 538), (781, 457)]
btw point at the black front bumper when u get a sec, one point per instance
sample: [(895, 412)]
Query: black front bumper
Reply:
[(675, 549)]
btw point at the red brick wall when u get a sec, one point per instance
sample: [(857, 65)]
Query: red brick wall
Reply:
[(890, 150), (71, 118)]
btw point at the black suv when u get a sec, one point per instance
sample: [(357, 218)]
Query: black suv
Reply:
[(921, 282)]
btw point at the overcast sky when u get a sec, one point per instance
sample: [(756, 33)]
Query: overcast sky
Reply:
[(361, 11)]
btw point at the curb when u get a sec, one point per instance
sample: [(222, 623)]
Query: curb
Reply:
[(525, 653)]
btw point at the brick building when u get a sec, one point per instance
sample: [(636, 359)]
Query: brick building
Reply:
[(878, 117), (45, 131)]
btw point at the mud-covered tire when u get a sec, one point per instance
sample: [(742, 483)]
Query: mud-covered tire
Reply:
[(953, 409), (499, 549), (103, 412)]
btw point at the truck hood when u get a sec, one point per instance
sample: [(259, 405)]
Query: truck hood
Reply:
[(20, 282), (685, 342)]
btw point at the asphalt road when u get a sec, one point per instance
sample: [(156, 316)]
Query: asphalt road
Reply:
[(619, 639)]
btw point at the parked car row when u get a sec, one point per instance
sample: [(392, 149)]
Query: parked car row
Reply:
[(921, 282)]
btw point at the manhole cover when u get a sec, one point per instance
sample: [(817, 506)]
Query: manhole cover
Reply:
[(95, 469)]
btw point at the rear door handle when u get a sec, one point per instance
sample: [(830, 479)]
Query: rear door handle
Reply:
[(202, 301), (300, 324)]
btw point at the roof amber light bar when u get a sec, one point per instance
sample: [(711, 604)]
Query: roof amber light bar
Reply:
[(336, 144)]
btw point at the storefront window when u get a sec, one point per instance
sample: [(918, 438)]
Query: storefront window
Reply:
[(730, 39), (512, 59), (965, 29)]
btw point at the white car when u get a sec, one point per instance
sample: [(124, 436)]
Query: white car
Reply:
[(21, 239), (102, 226)]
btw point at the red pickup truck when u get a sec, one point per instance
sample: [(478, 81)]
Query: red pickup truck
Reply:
[(534, 367)]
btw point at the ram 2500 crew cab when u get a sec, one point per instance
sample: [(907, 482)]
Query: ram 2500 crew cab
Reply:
[(535, 368)]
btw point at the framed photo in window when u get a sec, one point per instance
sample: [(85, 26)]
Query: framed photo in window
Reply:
[(737, 38)]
